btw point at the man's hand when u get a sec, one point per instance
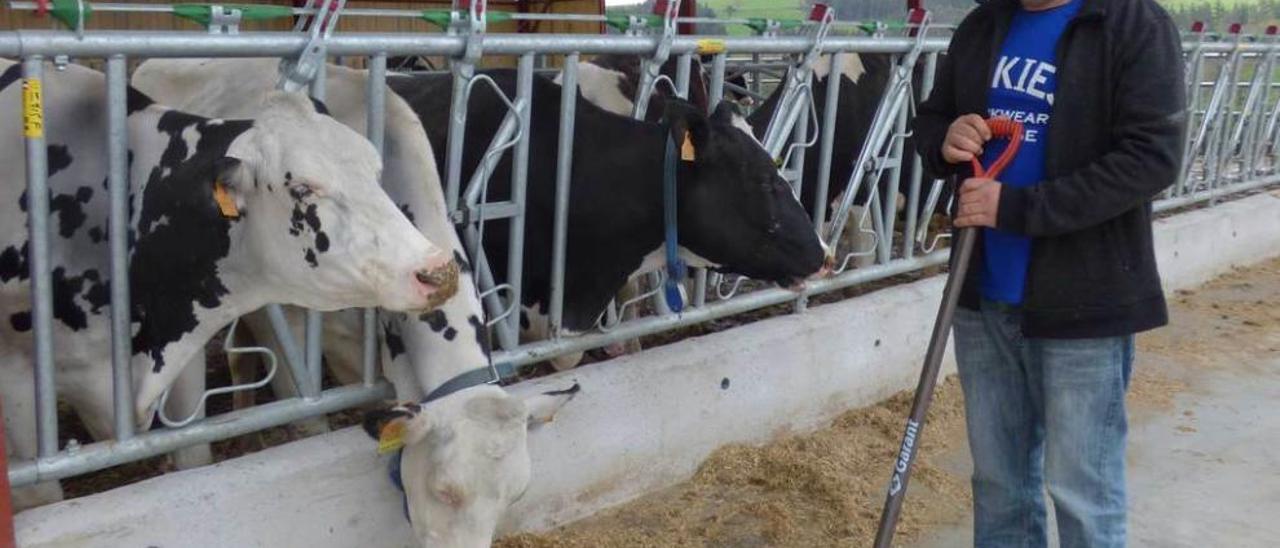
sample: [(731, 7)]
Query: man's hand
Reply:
[(965, 138), (979, 203)]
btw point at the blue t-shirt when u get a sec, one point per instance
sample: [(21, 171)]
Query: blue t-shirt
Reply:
[(1022, 87)]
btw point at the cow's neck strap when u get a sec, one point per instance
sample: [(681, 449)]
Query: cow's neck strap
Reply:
[(675, 266), (470, 378)]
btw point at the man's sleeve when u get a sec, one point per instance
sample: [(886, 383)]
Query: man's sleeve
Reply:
[(1149, 121), (934, 117)]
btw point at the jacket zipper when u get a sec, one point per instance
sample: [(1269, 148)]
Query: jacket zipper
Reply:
[(1068, 34)]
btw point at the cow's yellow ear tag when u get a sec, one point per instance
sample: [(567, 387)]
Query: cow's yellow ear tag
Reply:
[(391, 437), (226, 204), (686, 148)]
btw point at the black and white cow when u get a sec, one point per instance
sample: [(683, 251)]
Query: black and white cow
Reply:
[(611, 82), (465, 458), (226, 216), (735, 214), (863, 81)]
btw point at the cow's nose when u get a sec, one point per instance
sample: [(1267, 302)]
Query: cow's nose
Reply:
[(439, 283)]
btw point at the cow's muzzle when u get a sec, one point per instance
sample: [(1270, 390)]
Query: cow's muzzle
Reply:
[(440, 283)]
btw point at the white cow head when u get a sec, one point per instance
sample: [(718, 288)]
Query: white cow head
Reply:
[(465, 459), (316, 220)]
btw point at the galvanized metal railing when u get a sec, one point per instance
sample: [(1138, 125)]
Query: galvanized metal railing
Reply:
[(1230, 144)]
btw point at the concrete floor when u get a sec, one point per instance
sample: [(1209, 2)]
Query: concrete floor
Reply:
[(1204, 472)]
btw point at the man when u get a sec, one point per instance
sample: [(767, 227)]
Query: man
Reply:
[(1064, 273)]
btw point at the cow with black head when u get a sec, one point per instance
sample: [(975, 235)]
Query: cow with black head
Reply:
[(735, 214)]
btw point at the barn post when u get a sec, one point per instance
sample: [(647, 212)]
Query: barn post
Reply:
[(118, 219), (315, 319), (375, 128), (1195, 72), (896, 158), (917, 173), (826, 144), (38, 217), (1222, 156), (714, 96), (564, 170), (519, 180), (6, 501), (1257, 134)]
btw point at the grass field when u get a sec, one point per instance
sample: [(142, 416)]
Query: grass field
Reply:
[(1187, 3)]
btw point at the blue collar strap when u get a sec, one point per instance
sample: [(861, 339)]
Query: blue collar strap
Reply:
[(675, 266)]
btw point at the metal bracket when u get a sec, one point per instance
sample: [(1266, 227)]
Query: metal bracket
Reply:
[(224, 20), (230, 349), (298, 73), (880, 137), (651, 68), (795, 90)]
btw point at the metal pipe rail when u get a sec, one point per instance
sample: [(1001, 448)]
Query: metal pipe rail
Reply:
[(267, 11), (1214, 170), (25, 43)]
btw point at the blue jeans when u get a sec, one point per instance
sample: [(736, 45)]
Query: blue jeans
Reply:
[(1043, 413)]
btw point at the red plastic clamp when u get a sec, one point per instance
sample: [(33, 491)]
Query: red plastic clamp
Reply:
[(465, 5), (819, 12)]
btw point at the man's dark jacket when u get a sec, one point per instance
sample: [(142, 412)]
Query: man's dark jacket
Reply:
[(1114, 141)]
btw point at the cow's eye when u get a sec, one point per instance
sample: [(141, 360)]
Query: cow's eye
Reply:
[(300, 190)]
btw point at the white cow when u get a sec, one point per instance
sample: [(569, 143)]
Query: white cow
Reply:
[(465, 458), (226, 216)]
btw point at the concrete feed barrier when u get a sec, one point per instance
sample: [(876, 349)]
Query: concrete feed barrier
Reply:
[(641, 422)]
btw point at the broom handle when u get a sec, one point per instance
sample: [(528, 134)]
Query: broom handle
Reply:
[(1000, 128), (924, 390)]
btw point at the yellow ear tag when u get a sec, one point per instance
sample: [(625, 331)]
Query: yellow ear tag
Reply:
[(686, 149), (226, 204), (391, 437)]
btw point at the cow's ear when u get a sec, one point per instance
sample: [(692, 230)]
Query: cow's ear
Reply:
[(725, 112), (228, 185), (396, 426), (685, 119), (543, 407)]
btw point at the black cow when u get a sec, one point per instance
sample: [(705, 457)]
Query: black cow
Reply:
[(864, 78), (863, 81), (735, 213)]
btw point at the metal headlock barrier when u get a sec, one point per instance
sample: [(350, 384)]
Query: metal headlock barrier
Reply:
[(1234, 113)]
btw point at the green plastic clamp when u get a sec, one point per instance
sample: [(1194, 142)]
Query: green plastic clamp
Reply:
[(203, 13), (437, 17), (442, 18), (761, 24), (870, 27), (68, 13), (622, 22)]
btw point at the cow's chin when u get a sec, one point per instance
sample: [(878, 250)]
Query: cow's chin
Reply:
[(794, 285), (799, 283)]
